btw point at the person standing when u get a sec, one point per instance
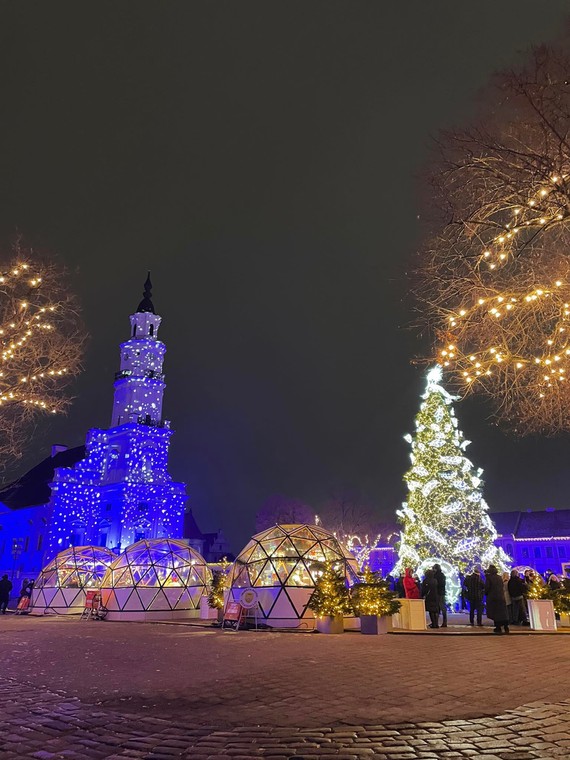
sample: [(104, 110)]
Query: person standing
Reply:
[(440, 578), (410, 586), (5, 588), (496, 604), (474, 589), (429, 593), (517, 590), (23, 590), (508, 600)]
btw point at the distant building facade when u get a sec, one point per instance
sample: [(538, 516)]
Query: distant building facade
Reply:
[(116, 489), (537, 539), (540, 539)]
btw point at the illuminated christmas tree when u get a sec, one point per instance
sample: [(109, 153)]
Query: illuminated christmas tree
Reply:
[(445, 516), (331, 595), (372, 596)]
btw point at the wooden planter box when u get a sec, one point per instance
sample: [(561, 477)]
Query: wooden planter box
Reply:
[(541, 614), (373, 625), (207, 612), (412, 615), (330, 624)]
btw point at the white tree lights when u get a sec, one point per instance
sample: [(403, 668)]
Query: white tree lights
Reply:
[(445, 515)]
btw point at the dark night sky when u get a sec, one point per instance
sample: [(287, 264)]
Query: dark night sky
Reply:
[(261, 159)]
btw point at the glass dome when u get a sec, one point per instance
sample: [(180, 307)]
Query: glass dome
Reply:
[(156, 579), (61, 585), (282, 564)]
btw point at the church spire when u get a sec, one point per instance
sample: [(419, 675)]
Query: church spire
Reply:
[(146, 305)]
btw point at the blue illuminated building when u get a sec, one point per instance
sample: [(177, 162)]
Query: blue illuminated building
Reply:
[(116, 489), (121, 491)]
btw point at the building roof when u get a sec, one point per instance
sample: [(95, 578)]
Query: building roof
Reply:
[(529, 524), (33, 488), (146, 305)]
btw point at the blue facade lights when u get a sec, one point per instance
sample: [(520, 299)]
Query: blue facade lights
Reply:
[(121, 492)]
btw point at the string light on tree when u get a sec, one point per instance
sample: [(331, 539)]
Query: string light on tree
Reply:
[(445, 516), (372, 596), (496, 279), (41, 344), (331, 595)]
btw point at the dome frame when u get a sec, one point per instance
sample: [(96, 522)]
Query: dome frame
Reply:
[(155, 579), (282, 564), (61, 586)]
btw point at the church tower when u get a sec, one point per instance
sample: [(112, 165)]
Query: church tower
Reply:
[(122, 491)]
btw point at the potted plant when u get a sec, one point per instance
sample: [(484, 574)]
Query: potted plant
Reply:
[(216, 595), (374, 603), (331, 598)]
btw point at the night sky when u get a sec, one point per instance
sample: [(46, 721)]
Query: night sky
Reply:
[(262, 159)]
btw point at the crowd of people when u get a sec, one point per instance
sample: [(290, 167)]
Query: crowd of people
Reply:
[(503, 597)]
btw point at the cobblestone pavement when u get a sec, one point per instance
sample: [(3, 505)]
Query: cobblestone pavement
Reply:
[(111, 690), (47, 725)]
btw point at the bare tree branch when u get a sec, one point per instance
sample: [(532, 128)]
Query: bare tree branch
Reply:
[(494, 274), (41, 344)]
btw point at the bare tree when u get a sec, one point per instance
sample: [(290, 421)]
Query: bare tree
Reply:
[(494, 276), (41, 342), (355, 523), (282, 510)]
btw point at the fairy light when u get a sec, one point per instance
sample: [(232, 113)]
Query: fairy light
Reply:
[(38, 358), (507, 193)]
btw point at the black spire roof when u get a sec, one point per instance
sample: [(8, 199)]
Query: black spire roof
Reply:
[(146, 304)]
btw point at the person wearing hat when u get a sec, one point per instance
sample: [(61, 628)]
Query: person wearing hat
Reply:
[(474, 590)]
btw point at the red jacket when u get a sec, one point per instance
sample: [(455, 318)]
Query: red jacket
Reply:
[(410, 586)]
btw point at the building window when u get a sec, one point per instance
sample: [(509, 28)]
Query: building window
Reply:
[(134, 331), (537, 552), (561, 551), (103, 539), (524, 553), (40, 541), (549, 552), (151, 330), (26, 543), (143, 507), (75, 539), (509, 549), (139, 535)]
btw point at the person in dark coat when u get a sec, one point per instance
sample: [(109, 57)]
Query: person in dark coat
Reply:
[(474, 590), (496, 604), (440, 578), (410, 586), (429, 594), (5, 588), (399, 586), (517, 591)]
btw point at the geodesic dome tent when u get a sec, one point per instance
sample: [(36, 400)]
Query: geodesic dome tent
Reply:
[(282, 565), (60, 587), (155, 579)]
